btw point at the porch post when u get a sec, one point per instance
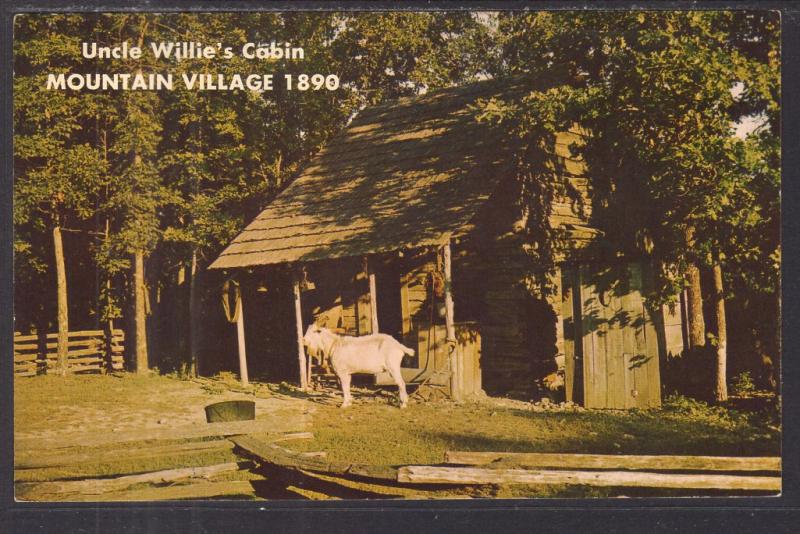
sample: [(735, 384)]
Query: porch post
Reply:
[(301, 353), (455, 368), (373, 297), (240, 338)]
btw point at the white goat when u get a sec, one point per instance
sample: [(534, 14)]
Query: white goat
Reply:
[(372, 354)]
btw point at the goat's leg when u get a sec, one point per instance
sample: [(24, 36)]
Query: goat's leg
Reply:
[(397, 375), (344, 379)]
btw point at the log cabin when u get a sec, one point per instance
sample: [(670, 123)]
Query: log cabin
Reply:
[(408, 223)]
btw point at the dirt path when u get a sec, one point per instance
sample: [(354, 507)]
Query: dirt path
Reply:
[(169, 409)]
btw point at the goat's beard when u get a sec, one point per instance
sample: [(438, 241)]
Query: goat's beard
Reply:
[(316, 353)]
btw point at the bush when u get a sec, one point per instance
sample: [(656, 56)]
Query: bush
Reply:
[(743, 384)]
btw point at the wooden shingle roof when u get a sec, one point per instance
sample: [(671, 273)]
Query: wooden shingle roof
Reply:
[(405, 174)]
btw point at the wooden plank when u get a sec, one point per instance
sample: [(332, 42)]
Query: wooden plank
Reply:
[(570, 333), (652, 368), (240, 345), (424, 474), (614, 461), (456, 374), (39, 459), (364, 321), (76, 353), (555, 302), (373, 299), (189, 431), (641, 388), (201, 490), (20, 347), (404, 305), (616, 394), (290, 436), (116, 334), (365, 490), (79, 333), (273, 454), (96, 486), (298, 318), (96, 344), (89, 360), (593, 370)]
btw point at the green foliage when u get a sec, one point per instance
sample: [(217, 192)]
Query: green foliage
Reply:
[(702, 411), (178, 173), (659, 94), (743, 384)]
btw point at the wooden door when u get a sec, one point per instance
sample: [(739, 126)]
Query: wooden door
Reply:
[(619, 342)]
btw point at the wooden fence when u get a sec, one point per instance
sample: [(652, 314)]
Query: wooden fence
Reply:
[(87, 351)]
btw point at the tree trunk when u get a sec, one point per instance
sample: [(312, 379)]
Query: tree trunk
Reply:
[(721, 388), (63, 312), (193, 319), (694, 308), (139, 312)]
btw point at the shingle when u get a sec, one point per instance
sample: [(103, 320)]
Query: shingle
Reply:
[(404, 174)]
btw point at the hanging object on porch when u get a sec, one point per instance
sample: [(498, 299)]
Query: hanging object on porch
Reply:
[(236, 317), (305, 283), (226, 300)]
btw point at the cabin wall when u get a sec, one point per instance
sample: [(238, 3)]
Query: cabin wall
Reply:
[(519, 334), (533, 329), (522, 329), (339, 296)]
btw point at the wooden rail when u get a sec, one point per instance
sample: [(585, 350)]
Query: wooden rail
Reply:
[(87, 351), (501, 468), (429, 474), (614, 461)]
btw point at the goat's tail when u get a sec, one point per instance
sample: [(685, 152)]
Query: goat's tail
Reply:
[(406, 350)]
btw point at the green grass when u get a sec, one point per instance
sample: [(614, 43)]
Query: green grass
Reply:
[(381, 433), (375, 431), (97, 403)]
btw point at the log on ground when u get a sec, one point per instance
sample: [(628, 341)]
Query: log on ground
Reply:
[(425, 474), (273, 454), (40, 459), (229, 489), (612, 461), (99, 486)]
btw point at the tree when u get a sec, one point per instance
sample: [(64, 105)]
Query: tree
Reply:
[(657, 94), (138, 194), (58, 171)]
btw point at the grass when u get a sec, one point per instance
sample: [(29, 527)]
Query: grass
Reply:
[(381, 433), (96, 404), (375, 431)]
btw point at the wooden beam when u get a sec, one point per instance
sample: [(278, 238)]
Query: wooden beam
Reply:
[(240, 338), (426, 474), (194, 430), (294, 435), (96, 486), (230, 489), (405, 309), (615, 461), (373, 298), (24, 460), (455, 368), (263, 452), (301, 353)]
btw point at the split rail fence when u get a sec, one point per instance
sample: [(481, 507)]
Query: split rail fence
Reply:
[(92, 351)]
